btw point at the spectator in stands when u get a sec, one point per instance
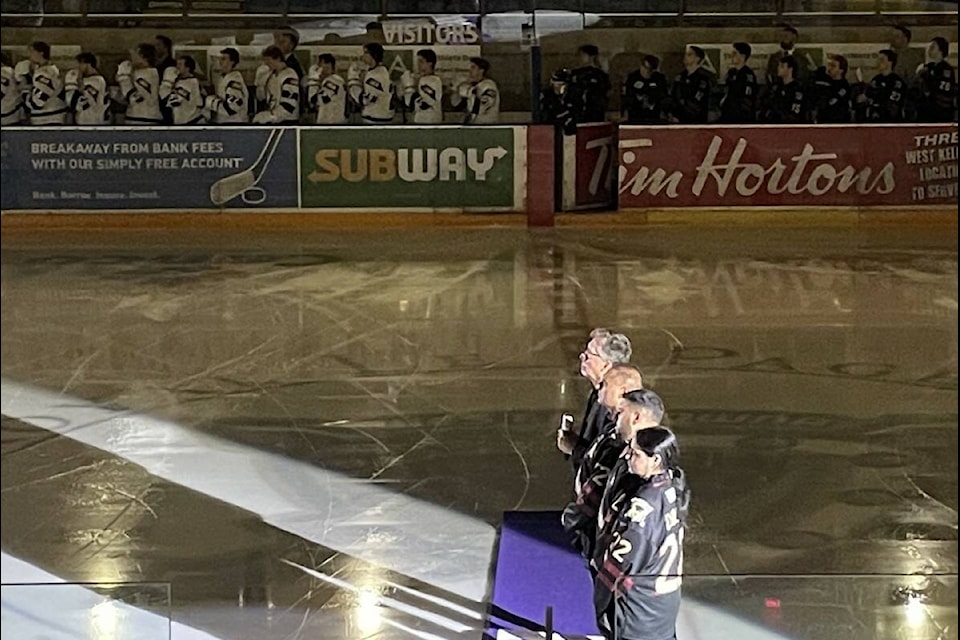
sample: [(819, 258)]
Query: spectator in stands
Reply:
[(909, 59), (479, 94), (86, 92), (139, 83), (165, 59), (287, 38), (326, 91), (231, 101), (739, 103), (590, 85), (883, 99), (423, 92), (690, 97), (11, 104), (372, 91), (44, 104), (938, 85), (832, 97), (644, 93), (786, 104), (556, 103), (788, 42), (184, 98), (280, 90)]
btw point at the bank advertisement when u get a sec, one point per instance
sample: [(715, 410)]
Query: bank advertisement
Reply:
[(823, 165), (132, 169), (478, 168)]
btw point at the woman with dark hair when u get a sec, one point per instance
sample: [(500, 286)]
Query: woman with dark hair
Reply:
[(637, 589)]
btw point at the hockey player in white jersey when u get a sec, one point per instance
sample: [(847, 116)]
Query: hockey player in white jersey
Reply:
[(280, 88), (326, 91), (423, 94), (480, 94), (180, 92), (372, 93), (11, 105), (229, 104), (44, 102), (140, 86), (86, 92)]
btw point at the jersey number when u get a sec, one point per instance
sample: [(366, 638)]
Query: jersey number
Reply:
[(671, 576)]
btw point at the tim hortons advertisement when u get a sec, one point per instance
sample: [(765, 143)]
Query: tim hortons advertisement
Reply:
[(588, 167), (870, 165)]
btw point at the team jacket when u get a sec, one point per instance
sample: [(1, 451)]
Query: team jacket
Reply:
[(231, 101), (11, 106), (44, 102), (885, 98), (373, 94), (558, 109), (283, 98), (482, 101), (425, 100), (739, 104), (88, 99), (185, 101), (690, 98), (580, 516), (787, 105), (833, 100), (938, 92), (141, 89), (590, 86), (328, 95), (640, 568), (642, 99)]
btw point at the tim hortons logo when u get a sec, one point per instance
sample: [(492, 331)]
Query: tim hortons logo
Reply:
[(805, 173)]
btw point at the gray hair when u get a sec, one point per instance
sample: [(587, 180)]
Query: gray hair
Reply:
[(614, 347), (647, 400)]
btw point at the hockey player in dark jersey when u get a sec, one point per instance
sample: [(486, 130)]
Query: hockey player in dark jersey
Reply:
[(938, 85), (883, 99), (590, 85), (644, 93), (832, 96), (640, 567), (690, 96), (580, 516), (556, 103), (739, 104), (786, 103), (603, 350)]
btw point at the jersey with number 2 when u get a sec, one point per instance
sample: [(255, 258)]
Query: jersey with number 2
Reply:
[(638, 582)]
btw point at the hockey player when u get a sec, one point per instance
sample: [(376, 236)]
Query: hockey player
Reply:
[(230, 102), (280, 90), (786, 104), (690, 98), (479, 94), (11, 105), (372, 92), (883, 100), (140, 86), (590, 85), (637, 588), (86, 92), (556, 103), (644, 93), (183, 96), (739, 103), (580, 516), (44, 103), (326, 91), (833, 102), (423, 93), (938, 85)]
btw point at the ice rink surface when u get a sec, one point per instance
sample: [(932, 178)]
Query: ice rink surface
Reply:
[(315, 435)]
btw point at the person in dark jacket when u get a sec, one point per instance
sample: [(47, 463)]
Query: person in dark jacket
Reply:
[(883, 99), (590, 85), (739, 104), (690, 96), (556, 103), (832, 96), (938, 85), (786, 103), (644, 94)]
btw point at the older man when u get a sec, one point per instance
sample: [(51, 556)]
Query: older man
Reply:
[(603, 350)]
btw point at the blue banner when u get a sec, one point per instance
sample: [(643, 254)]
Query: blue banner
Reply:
[(173, 168)]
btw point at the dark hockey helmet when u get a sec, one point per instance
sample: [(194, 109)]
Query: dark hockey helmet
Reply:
[(560, 75)]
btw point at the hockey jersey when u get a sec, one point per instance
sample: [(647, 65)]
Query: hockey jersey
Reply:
[(229, 104), (580, 516), (373, 94), (11, 106), (44, 102), (283, 98), (88, 99), (424, 97), (482, 101), (328, 94), (141, 89), (185, 101)]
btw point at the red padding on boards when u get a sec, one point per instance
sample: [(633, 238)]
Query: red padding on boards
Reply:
[(540, 176)]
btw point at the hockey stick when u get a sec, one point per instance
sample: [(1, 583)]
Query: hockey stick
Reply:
[(226, 189)]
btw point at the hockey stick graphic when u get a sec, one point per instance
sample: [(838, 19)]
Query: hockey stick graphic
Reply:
[(245, 183)]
